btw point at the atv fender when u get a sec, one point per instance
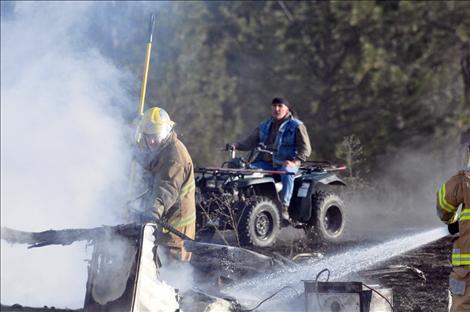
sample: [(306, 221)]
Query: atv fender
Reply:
[(247, 182), (262, 186), (331, 180), (302, 196)]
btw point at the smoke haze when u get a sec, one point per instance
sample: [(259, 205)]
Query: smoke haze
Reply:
[(402, 199), (64, 157)]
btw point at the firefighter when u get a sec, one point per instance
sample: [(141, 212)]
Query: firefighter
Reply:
[(450, 196), (169, 177), (288, 137)]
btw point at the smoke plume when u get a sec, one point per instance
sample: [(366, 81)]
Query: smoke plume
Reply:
[(402, 197), (64, 157)]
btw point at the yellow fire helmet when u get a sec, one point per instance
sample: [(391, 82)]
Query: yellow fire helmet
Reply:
[(155, 123)]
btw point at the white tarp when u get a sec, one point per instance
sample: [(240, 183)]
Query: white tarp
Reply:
[(152, 294)]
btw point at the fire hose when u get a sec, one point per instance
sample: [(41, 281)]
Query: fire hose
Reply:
[(172, 229)]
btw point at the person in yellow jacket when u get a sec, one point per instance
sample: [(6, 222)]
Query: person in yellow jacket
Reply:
[(169, 176), (453, 193)]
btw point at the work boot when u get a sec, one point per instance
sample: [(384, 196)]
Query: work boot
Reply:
[(285, 212)]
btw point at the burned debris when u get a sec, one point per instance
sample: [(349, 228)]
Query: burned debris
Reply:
[(126, 277), (68, 236)]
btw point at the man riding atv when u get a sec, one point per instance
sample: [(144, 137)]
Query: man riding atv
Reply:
[(287, 136), (250, 195)]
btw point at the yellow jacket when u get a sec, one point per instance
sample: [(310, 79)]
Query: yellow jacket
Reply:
[(452, 193), (170, 175)]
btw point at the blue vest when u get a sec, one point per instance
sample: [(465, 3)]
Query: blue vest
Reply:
[(284, 144)]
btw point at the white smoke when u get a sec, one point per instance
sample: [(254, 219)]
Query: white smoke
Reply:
[(64, 158), (403, 196)]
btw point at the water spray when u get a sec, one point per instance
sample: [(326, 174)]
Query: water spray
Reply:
[(340, 266)]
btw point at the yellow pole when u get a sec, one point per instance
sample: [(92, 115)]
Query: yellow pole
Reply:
[(141, 105), (146, 67)]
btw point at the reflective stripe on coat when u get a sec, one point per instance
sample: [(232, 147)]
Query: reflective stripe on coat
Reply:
[(452, 194)]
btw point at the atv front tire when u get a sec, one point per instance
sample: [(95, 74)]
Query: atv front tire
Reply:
[(259, 222), (330, 217)]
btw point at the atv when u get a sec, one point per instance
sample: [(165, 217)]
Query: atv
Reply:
[(237, 197)]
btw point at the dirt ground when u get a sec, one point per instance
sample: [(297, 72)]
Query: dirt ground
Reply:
[(413, 292)]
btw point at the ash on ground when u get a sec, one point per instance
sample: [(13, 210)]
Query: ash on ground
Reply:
[(423, 289)]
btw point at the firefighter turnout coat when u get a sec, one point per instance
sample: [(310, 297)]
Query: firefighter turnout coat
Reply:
[(451, 195), (170, 175)]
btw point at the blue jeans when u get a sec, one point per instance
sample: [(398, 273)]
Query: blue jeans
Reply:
[(287, 179)]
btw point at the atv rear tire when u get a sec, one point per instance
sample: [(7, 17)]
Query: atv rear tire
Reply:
[(259, 222), (330, 220)]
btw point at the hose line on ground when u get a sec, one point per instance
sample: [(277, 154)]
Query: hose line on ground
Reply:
[(316, 285), (378, 293), (320, 273), (290, 287), (318, 297)]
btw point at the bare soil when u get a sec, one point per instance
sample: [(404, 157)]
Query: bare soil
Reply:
[(413, 293)]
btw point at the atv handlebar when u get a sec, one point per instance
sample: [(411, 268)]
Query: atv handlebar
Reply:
[(231, 149)]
